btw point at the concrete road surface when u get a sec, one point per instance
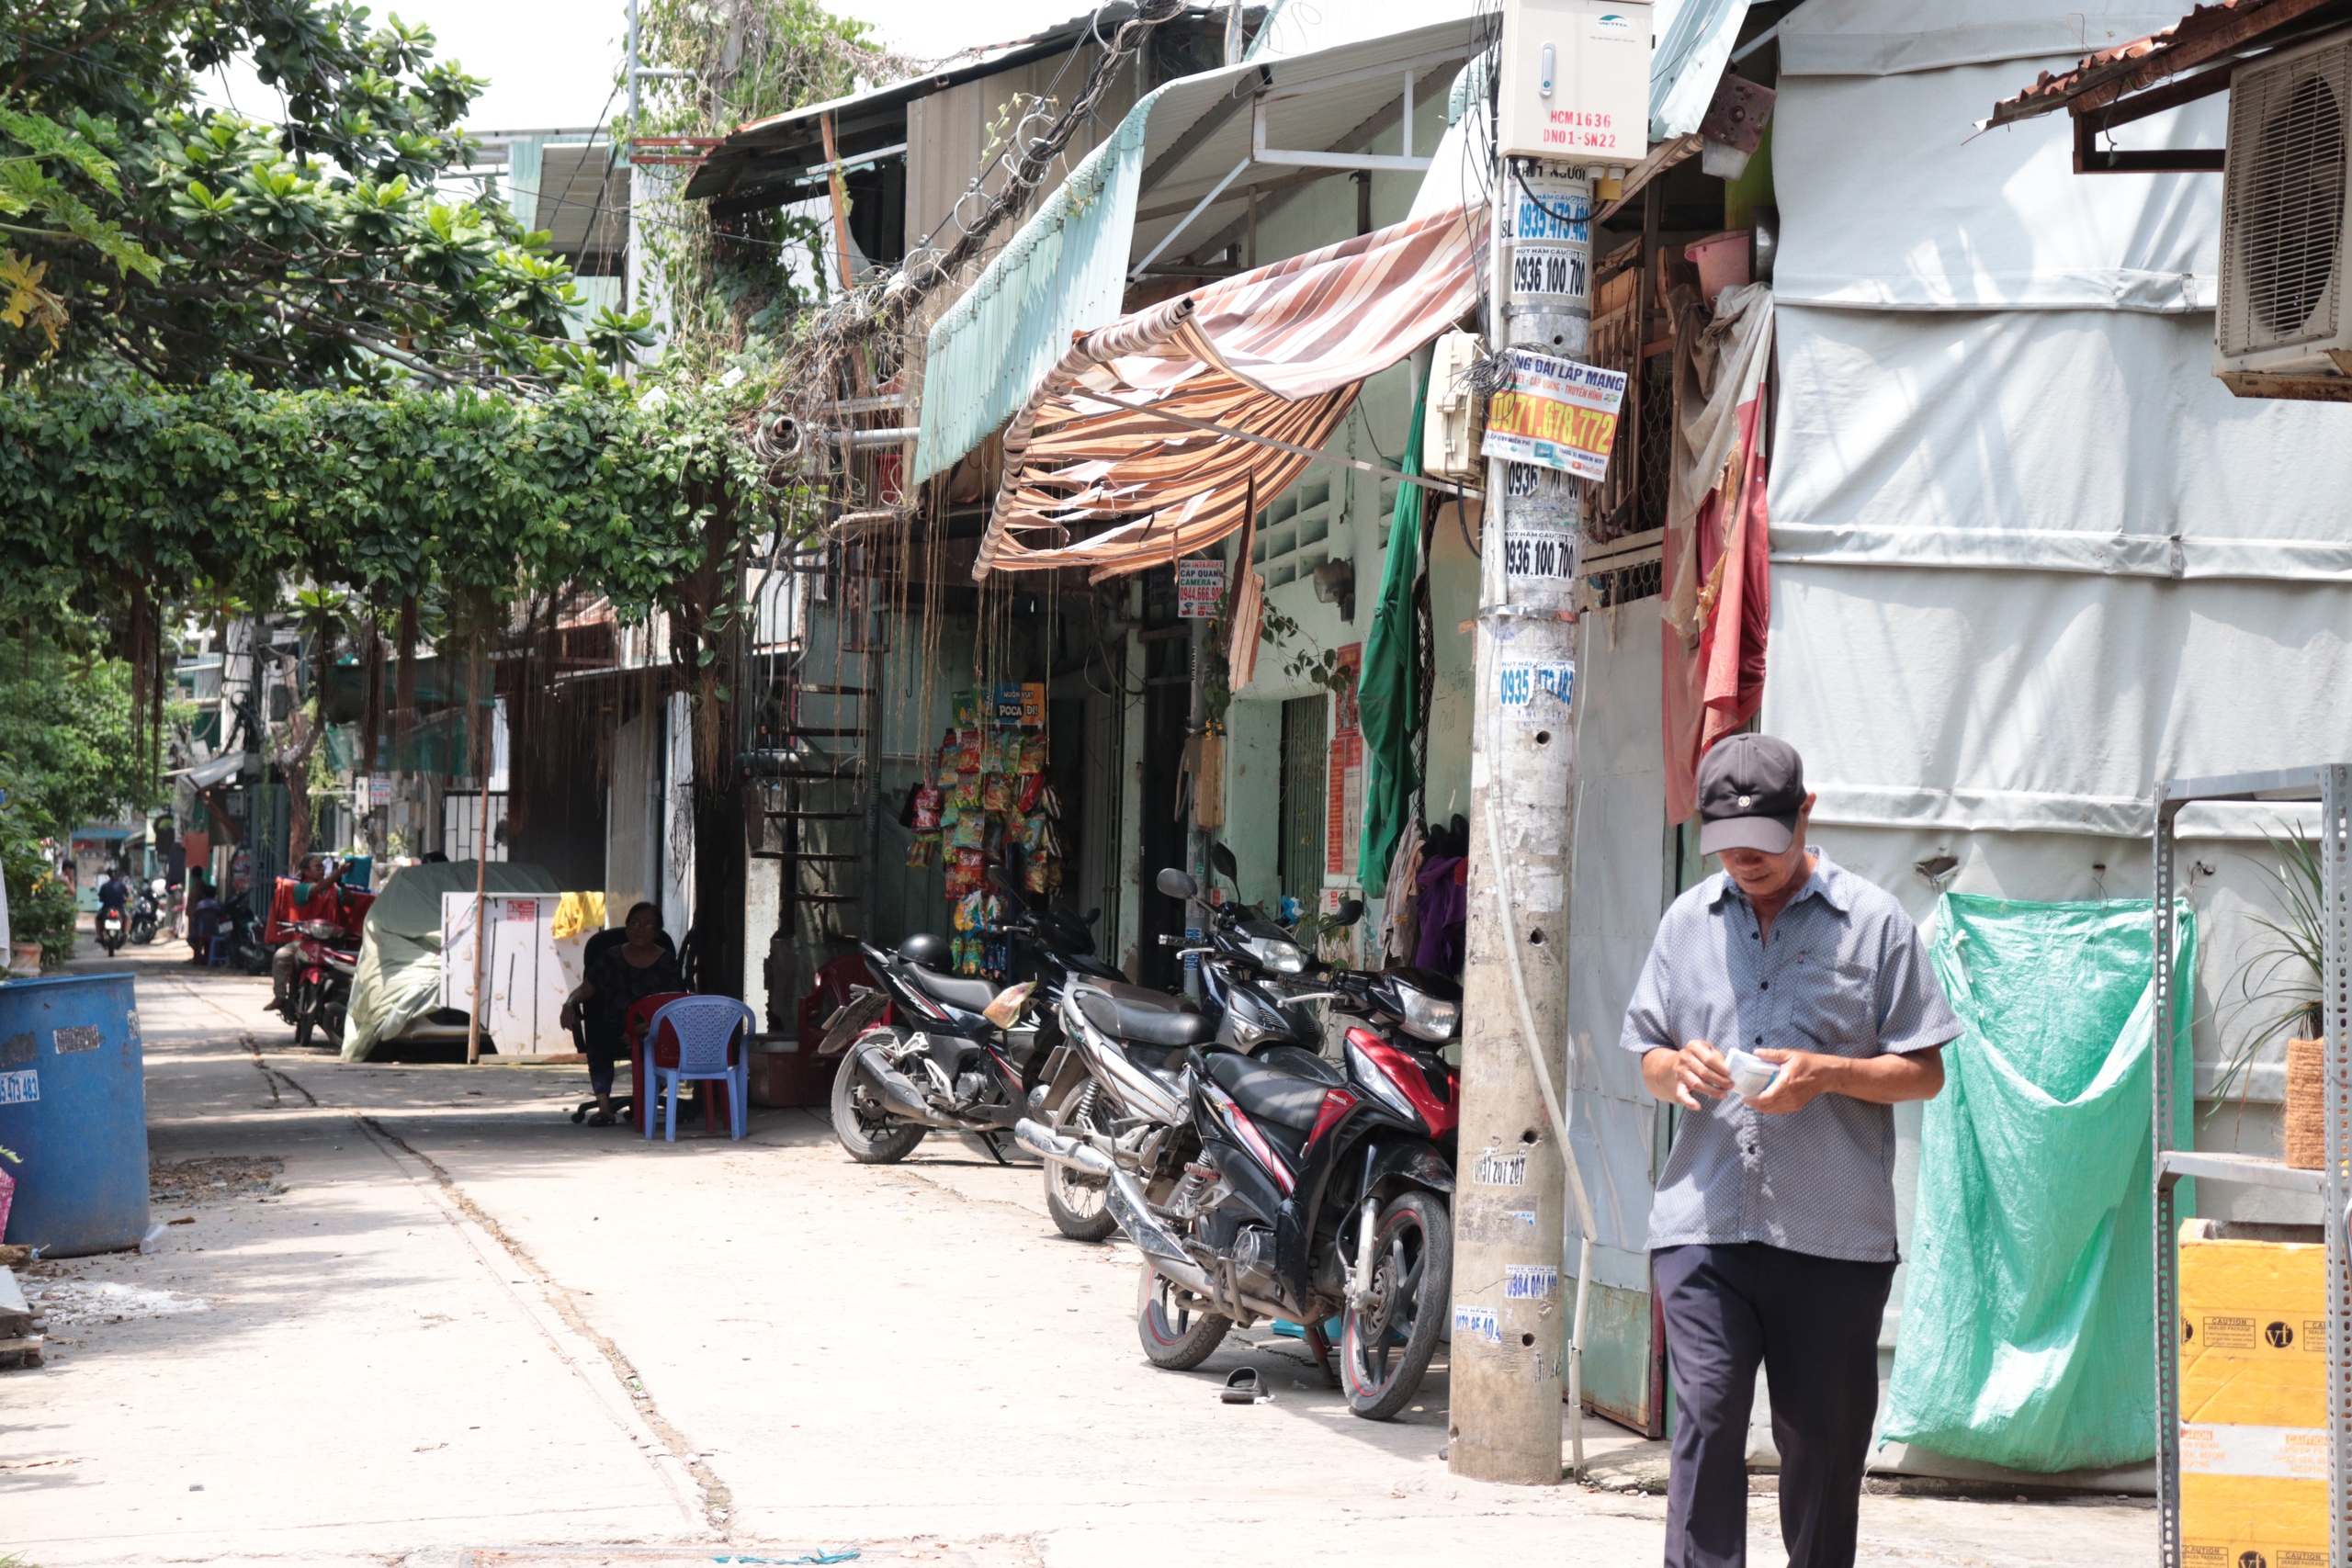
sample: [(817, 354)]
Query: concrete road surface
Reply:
[(425, 1319)]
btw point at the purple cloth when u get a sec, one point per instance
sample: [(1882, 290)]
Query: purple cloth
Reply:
[(1445, 906)]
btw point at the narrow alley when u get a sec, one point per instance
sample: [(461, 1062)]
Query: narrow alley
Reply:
[(437, 1318)]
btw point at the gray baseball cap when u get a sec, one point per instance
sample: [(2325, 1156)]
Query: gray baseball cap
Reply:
[(1750, 789)]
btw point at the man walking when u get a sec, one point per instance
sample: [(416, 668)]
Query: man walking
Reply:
[(1772, 1236)]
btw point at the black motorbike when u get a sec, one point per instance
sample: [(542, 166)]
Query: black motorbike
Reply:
[(242, 933), (1305, 1190), (932, 1050), (146, 913), (1120, 1081), (114, 925)]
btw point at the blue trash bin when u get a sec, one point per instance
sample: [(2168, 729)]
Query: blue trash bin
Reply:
[(73, 1107)]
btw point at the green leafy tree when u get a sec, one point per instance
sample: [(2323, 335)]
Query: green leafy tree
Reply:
[(69, 750), (145, 228)]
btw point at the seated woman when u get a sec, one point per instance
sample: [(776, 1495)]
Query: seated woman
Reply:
[(621, 976)]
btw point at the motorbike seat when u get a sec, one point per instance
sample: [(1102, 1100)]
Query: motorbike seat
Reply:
[(969, 996), (1146, 1017), (1284, 1098)]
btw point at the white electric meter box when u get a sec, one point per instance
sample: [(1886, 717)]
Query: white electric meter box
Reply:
[(1451, 424), (1576, 82)]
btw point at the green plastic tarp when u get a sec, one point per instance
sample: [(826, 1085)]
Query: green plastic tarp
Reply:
[(2028, 1328), (1387, 702), (399, 977)]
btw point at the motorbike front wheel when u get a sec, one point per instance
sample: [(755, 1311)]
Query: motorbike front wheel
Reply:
[(864, 1129), (306, 1013), (1175, 1337), (1386, 1345)]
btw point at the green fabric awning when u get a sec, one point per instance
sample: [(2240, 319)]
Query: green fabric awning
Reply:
[(1064, 272)]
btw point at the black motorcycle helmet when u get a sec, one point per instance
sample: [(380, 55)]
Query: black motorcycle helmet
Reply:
[(929, 949)]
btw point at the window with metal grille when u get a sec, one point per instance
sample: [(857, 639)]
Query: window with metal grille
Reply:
[(1307, 746), (1642, 580)]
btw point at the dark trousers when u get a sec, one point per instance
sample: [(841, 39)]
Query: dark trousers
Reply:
[(1813, 1325)]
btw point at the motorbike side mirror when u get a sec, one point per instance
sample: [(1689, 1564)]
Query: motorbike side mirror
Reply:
[(1349, 913), (1002, 879), (1091, 915), (1178, 883), (1226, 866)]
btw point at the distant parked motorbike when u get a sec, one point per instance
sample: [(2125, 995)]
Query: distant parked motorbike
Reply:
[(1304, 1190), (147, 912), (243, 933), (934, 1050), (326, 957), (113, 926)]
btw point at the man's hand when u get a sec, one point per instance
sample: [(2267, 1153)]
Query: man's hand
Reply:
[(1891, 1079), (1805, 1078), (1682, 1076)]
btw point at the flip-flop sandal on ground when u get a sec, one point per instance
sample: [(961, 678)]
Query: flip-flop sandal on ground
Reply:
[(600, 1120)]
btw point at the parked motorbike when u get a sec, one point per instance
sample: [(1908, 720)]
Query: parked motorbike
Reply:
[(1301, 1190), (1120, 1082), (326, 957), (934, 1050), (113, 926), (147, 912), (245, 948)]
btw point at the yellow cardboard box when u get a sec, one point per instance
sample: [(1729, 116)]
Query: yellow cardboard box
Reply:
[(2252, 1403)]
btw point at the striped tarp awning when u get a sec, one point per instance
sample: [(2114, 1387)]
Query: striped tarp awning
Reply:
[(1095, 477)]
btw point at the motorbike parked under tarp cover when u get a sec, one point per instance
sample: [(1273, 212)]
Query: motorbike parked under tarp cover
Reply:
[(398, 980)]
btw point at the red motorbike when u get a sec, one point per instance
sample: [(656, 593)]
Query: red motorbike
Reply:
[(326, 957)]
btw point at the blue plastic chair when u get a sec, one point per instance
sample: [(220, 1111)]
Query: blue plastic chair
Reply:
[(703, 1025)]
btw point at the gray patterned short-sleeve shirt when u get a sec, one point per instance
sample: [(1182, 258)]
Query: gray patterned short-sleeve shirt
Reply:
[(1844, 974)]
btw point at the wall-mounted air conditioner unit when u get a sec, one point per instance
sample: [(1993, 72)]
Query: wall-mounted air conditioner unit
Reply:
[(2284, 251)]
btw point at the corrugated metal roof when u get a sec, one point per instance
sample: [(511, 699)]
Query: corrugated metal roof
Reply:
[(1692, 50), (785, 145), (1200, 127)]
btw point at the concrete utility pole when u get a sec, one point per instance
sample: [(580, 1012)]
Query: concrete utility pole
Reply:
[(1509, 1328)]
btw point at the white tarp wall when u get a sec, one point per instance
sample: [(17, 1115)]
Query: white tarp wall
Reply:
[(2029, 557)]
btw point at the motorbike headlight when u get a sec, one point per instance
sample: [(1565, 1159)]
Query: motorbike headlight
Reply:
[(1278, 953), (1428, 1017), (325, 930)]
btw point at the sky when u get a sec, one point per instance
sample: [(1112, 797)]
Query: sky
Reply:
[(552, 64)]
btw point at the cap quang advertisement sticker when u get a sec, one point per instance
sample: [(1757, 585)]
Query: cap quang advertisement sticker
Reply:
[(1551, 226), (1478, 1322), (1530, 1281), (1556, 413), (20, 1087), (1541, 538), (1535, 691)]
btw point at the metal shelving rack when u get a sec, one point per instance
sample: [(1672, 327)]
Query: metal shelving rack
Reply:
[(2331, 785)]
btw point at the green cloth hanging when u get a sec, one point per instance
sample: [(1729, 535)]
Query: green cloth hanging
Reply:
[(2028, 1313), (1387, 703)]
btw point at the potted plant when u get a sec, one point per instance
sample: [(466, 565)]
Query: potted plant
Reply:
[(2279, 983)]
